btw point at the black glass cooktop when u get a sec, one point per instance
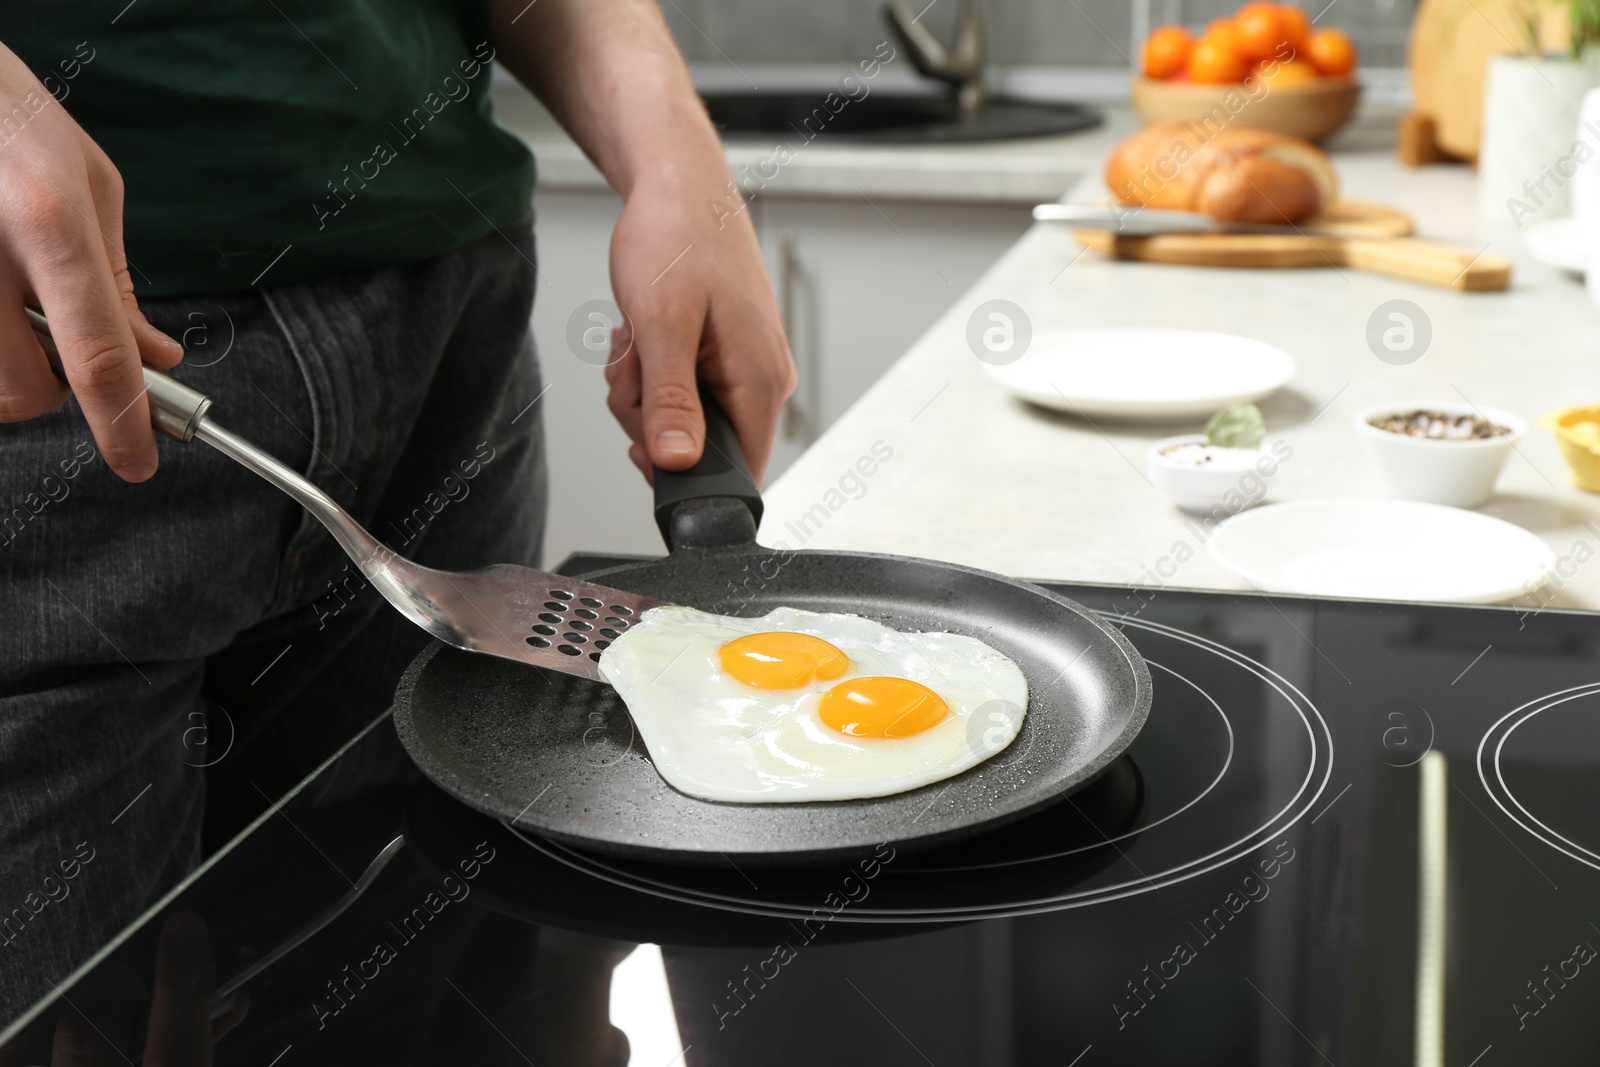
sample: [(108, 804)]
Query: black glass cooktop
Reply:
[(1351, 833)]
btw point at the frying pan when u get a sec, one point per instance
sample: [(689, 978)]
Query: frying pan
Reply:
[(557, 755)]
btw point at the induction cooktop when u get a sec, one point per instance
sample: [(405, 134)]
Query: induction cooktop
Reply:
[(1350, 833)]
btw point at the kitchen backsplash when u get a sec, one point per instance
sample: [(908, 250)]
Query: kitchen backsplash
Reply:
[(1020, 33)]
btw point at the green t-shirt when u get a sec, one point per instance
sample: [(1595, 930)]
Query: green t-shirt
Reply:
[(264, 142)]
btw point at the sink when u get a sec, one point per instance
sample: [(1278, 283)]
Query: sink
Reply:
[(885, 118)]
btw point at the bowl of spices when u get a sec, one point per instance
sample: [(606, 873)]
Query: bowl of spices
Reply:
[(1445, 453), (1225, 468)]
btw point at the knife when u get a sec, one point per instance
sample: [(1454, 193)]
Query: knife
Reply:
[(1146, 222)]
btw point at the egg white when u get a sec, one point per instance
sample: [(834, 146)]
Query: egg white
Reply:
[(717, 738)]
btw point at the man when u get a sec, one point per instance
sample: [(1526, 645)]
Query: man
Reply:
[(314, 202)]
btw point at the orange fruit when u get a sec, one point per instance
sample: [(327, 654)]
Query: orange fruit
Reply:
[(1166, 51), (1223, 32), (1263, 31), (1333, 53), (1281, 75), (1215, 62), (1297, 27)]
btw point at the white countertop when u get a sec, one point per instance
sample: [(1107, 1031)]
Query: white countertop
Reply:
[(979, 478)]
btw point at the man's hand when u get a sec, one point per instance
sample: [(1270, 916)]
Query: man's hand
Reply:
[(61, 250), (699, 307), (687, 274)]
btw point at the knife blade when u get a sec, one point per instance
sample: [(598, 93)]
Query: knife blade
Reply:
[(1132, 221)]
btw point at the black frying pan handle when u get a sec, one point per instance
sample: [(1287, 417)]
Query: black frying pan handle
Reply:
[(714, 503)]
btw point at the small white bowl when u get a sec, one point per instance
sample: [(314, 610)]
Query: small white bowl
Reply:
[(1235, 478), (1458, 473)]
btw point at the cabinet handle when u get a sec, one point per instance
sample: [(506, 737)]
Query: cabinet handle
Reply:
[(799, 422)]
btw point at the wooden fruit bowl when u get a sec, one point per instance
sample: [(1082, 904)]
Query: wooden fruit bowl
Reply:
[(1313, 110)]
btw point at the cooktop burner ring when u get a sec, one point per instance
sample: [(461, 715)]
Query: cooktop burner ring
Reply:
[(1500, 732), (1298, 806), (1147, 827)]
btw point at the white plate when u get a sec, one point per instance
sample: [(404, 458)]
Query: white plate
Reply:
[(1558, 242), (1147, 375), (1382, 550)]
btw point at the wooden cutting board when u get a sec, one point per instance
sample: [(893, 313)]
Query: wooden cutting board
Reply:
[(1353, 234), (1448, 54)]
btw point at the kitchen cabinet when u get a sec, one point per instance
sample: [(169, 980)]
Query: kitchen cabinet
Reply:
[(858, 281), (597, 499)]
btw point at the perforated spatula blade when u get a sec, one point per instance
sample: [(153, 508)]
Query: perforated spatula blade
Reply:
[(517, 613)]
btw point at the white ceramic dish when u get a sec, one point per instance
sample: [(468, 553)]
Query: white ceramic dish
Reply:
[(1460, 474), (1558, 242), (1144, 375), (1243, 472), (1382, 550)]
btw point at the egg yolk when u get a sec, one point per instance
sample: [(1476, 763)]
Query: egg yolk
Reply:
[(782, 660), (881, 707)]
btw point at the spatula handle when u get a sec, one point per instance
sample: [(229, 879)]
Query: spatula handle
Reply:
[(1429, 262), (175, 409), (181, 413)]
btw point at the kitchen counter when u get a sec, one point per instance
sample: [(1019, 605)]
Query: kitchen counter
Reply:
[(1017, 172), (975, 476), (1025, 171)]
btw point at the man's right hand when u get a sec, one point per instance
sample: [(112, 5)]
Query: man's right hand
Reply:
[(61, 250)]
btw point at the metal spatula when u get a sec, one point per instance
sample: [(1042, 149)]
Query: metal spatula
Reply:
[(513, 612)]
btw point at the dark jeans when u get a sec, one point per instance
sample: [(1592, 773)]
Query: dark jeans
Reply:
[(175, 655)]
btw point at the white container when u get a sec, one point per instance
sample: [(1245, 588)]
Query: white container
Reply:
[(1457, 473), (1586, 191), (1586, 178), (1233, 478), (1530, 115)]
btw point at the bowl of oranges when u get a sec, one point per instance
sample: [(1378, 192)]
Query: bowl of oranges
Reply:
[(1266, 67)]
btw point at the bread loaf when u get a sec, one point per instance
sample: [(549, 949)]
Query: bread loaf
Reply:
[(1234, 173)]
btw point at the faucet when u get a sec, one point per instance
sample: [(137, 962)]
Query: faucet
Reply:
[(960, 64)]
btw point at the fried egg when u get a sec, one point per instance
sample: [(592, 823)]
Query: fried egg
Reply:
[(803, 706)]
